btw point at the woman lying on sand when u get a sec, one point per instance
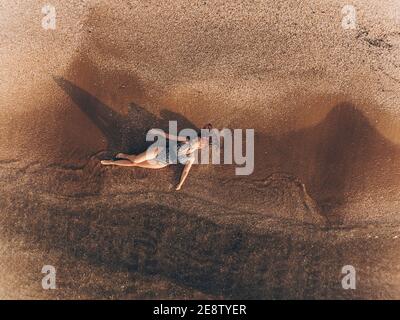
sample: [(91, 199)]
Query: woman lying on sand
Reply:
[(160, 157)]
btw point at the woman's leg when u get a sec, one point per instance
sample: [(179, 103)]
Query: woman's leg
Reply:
[(150, 164), (149, 154), (126, 163), (123, 163)]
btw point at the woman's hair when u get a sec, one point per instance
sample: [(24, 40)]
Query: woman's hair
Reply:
[(208, 126)]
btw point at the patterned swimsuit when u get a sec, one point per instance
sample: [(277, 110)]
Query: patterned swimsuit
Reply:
[(167, 156)]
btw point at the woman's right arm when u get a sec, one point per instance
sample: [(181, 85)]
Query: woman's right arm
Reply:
[(185, 173)]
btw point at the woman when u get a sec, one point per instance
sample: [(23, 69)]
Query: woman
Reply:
[(159, 157)]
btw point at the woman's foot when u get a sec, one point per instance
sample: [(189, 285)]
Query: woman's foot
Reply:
[(106, 162)]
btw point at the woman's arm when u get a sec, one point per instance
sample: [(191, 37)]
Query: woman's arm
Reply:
[(168, 136), (185, 173), (176, 138)]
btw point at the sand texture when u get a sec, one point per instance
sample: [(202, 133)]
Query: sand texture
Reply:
[(325, 192)]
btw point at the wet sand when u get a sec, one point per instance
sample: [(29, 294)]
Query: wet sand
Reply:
[(324, 104)]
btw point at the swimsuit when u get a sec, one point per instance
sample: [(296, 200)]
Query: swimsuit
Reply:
[(167, 156)]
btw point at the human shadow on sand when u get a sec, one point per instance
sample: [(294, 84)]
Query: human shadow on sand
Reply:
[(123, 133)]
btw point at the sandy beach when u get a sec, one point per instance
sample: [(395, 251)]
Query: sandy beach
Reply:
[(325, 106)]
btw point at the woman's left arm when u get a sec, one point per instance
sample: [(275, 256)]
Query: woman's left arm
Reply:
[(158, 132), (185, 173), (176, 138)]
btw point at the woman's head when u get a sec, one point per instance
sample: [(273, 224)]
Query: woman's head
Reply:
[(203, 137), (207, 126)]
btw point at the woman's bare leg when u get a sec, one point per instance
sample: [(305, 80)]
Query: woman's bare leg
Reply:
[(126, 163), (122, 163), (125, 156), (150, 164), (147, 155)]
